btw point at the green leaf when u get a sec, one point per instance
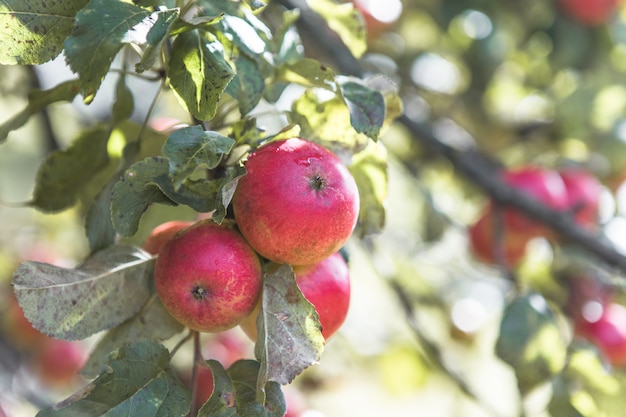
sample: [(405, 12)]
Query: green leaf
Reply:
[(199, 73), (245, 376), (530, 341), (366, 106), (309, 73), (63, 173), (124, 102), (369, 169), (148, 182), (33, 31), (222, 400), (246, 131), (289, 333), (226, 191), (71, 303), (346, 21), (156, 37), (100, 31), (153, 322), (138, 381), (248, 85), (190, 148), (98, 226), (287, 45), (37, 101), (327, 122)]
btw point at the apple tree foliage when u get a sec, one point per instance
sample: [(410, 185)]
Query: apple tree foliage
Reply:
[(220, 59), (486, 84)]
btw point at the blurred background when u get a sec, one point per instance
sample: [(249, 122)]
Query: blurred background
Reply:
[(533, 83)]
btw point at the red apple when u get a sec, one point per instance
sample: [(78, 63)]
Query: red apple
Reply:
[(608, 332), (583, 194), (208, 277), (162, 233), (482, 240), (589, 12), (541, 184), (19, 331), (378, 16), (57, 362), (297, 204), (326, 285)]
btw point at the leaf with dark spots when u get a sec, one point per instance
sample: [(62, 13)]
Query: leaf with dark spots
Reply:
[(289, 333), (68, 303)]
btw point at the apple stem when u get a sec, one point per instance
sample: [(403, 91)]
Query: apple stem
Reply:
[(197, 361)]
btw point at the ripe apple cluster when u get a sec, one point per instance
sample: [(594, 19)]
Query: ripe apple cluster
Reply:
[(297, 204), (573, 191)]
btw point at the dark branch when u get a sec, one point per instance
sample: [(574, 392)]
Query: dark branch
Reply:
[(469, 164)]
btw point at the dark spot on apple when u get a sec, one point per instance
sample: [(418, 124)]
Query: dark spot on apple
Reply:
[(199, 293), (317, 182)]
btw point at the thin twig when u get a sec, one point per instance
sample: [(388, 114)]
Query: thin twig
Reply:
[(198, 361), (51, 143)]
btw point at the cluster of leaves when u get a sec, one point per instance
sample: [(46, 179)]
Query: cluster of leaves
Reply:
[(221, 60)]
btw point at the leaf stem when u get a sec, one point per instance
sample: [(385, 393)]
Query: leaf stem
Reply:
[(179, 344)]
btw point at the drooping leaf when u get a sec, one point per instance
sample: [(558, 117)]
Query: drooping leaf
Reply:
[(289, 333), (346, 21), (327, 122), (137, 381), (155, 38), (530, 341), (199, 73), (37, 101), (108, 288), (63, 173), (222, 401), (245, 376), (124, 102), (98, 225), (366, 106), (153, 322), (309, 73), (147, 182), (105, 24), (33, 31), (226, 192), (190, 148), (369, 169), (248, 85)]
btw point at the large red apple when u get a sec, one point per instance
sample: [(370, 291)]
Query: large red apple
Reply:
[(162, 233), (297, 204), (590, 12), (583, 193), (208, 277), (608, 332), (326, 285)]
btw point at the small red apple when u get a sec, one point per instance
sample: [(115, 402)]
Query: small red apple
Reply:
[(607, 330), (482, 240), (208, 277), (543, 185), (162, 233), (590, 12), (19, 331), (378, 16), (57, 362), (297, 204), (326, 285), (583, 193)]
